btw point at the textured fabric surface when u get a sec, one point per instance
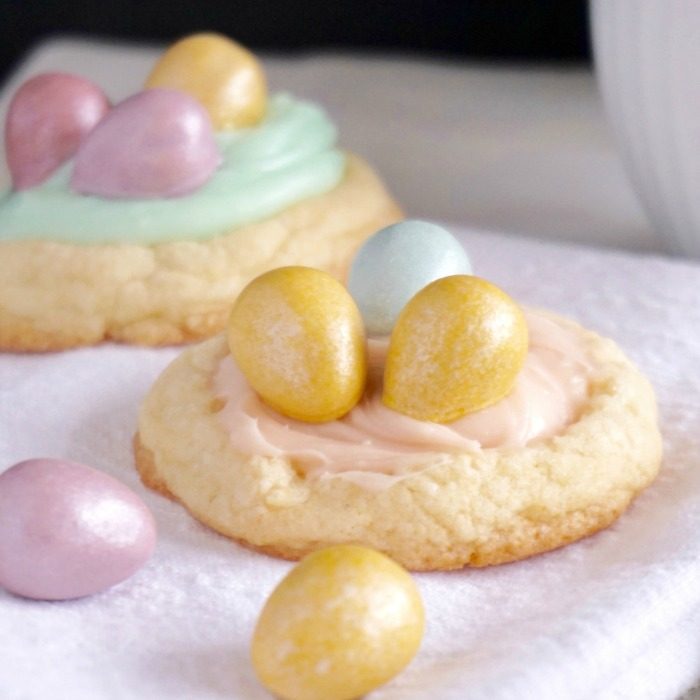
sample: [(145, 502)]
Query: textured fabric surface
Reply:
[(614, 616)]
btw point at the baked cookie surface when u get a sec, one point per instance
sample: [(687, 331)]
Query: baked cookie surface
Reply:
[(478, 507), (61, 295)]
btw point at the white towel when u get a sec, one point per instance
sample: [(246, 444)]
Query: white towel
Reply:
[(614, 616)]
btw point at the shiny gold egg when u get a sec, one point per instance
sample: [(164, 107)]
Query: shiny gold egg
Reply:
[(344, 621), (297, 336), (457, 347), (225, 77)]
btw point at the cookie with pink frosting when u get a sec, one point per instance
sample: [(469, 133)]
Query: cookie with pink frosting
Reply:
[(513, 431), (140, 221)]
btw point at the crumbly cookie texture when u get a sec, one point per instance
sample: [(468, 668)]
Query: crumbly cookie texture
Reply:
[(55, 296), (484, 507)]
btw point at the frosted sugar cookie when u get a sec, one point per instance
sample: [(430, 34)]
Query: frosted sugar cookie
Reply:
[(485, 433), (141, 222)]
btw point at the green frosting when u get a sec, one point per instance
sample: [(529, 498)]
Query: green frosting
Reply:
[(288, 157)]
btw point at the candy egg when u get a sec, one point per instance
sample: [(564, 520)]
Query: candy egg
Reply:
[(158, 143), (297, 336), (345, 620), (457, 347), (48, 117), (226, 78), (396, 263), (68, 531)]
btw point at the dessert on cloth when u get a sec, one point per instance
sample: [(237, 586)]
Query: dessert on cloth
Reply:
[(465, 431), (614, 615), (140, 222)]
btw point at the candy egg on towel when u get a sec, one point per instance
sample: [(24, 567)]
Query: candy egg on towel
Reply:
[(67, 530), (344, 621), (396, 263)]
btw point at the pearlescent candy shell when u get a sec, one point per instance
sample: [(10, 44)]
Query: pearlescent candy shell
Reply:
[(457, 347), (48, 118), (396, 263), (222, 75), (157, 143), (297, 336), (345, 620), (67, 530)]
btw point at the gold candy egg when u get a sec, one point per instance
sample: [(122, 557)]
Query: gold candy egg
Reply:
[(297, 336), (457, 347), (225, 77), (345, 620)]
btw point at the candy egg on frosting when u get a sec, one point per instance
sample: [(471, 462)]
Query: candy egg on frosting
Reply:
[(67, 530), (157, 143), (222, 75), (297, 336), (344, 621), (48, 118), (457, 347), (395, 263)]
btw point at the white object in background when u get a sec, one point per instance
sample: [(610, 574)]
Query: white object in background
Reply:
[(647, 56)]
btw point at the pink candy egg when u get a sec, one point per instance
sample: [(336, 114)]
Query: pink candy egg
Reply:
[(67, 530), (158, 143), (48, 118)]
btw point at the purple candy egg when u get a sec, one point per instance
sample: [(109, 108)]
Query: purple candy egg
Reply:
[(157, 143), (67, 530), (48, 118)]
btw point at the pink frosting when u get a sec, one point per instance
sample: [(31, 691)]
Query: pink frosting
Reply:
[(375, 440)]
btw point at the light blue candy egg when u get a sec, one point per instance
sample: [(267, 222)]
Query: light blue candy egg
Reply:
[(396, 263)]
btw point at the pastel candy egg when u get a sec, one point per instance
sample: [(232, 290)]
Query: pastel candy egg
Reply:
[(457, 347), (223, 76), (158, 143), (344, 621), (297, 336), (48, 118), (68, 531), (395, 263)]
